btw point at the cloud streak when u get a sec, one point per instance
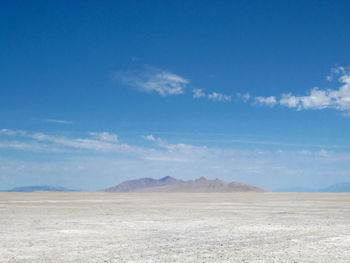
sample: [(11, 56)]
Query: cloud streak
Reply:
[(155, 80), (214, 96), (105, 136), (316, 98), (165, 83), (39, 141), (266, 101), (12, 133), (59, 121), (198, 93)]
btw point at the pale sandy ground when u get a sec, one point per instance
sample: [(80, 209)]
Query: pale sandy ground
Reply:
[(107, 227)]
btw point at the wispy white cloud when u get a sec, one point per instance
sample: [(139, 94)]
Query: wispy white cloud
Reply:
[(290, 101), (105, 142), (317, 99), (8, 132), (105, 136), (266, 101), (215, 96), (100, 142), (80, 143), (156, 80), (31, 146), (324, 153), (198, 93), (166, 151), (164, 83), (59, 121), (149, 137), (243, 96)]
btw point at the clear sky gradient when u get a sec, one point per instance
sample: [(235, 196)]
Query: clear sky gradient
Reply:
[(96, 92)]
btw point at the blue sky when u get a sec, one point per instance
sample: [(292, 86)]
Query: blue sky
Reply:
[(93, 93)]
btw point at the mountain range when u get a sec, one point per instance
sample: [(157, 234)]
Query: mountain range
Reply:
[(170, 184)]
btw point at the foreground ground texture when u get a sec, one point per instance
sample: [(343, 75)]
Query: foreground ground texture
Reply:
[(238, 227)]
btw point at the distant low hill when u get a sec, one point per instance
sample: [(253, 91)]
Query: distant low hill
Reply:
[(40, 188), (170, 184), (335, 188)]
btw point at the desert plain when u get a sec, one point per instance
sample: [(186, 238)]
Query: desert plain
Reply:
[(174, 227)]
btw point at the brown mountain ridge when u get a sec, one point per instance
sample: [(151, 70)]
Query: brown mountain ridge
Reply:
[(170, 184)]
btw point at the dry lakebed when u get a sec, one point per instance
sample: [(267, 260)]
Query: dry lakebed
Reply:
[(174, 227)]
